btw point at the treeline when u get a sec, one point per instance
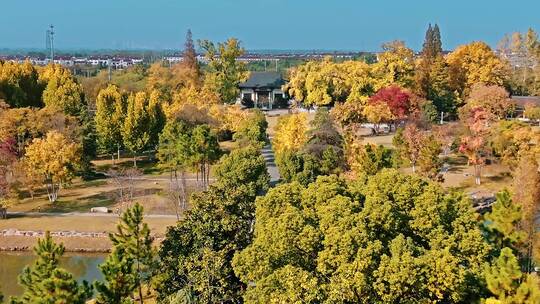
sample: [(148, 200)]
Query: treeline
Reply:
[(51, 126)]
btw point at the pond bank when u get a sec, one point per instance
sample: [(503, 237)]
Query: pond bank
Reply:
[(74, 241)]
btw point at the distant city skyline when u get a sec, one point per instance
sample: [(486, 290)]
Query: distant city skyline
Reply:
[(260, 24)]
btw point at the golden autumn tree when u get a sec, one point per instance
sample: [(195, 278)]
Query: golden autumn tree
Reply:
[(395, 66), (143, 122), (224, 71), (492, 98), (527, 196), (55, 159), (290, 133), (62, 91), (109, 119), (475, 63)]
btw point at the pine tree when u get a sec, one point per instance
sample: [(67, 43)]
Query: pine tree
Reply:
[(131, 262), (427, 47), (190, 55), (432, 46), (46, 283), (508, 284), (136, 131), (119, 278), (437, 43), (501, 224)]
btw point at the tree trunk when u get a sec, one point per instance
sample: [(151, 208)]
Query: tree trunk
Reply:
[(477, 174), (134, 160), (183, 192)]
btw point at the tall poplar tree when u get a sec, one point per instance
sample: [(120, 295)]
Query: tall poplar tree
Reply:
[(46, 283), (109, 119), (527, 195), (143, 122)]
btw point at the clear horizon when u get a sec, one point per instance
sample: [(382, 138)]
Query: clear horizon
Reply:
[(259, 24)]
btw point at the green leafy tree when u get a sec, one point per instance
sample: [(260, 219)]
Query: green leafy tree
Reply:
[(429, 163), (370, 159), (391, 238), (143, 122), (300, 167), (224, 71), (502, 223), (205, 151), (195, 256), (46, 283), (175, 155), (130, 265), (252, 131), (508, 284)]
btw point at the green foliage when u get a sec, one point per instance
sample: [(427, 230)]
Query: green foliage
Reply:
[(244, 167), (224, 71), (143, 122), (501, 225), (174, 150), (131, 262), (252, 130), (195, 256), (508, 284), (135, 131), (109, 118), (19, 85), (46, 283), (372, 159), (62, 91), (321, 154), (392, 239), (300, 167), (429, 163)]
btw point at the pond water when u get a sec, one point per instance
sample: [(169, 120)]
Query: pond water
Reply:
[(82, 266)]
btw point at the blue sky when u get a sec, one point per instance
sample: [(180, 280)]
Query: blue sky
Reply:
[(260, 24)]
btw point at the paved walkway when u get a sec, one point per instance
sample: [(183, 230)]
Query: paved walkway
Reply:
[(269, 157)]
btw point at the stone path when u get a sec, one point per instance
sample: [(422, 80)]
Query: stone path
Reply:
[(269, 157)]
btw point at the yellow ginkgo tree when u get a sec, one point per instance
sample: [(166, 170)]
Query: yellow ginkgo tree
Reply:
[(55, 159)]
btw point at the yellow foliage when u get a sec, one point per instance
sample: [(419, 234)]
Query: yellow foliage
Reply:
[(53, 158), (476, 63), (290, 133)]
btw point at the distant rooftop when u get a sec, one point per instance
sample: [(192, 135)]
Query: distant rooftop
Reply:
[(263, 80), (524, 100)]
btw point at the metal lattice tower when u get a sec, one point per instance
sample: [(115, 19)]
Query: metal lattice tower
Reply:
[(49, 42)]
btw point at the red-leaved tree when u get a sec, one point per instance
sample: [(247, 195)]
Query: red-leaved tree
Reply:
[(473, 145), (397, 99)]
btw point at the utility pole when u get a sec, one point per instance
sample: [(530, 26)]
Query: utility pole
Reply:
[(51, 38), (109, 66)]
